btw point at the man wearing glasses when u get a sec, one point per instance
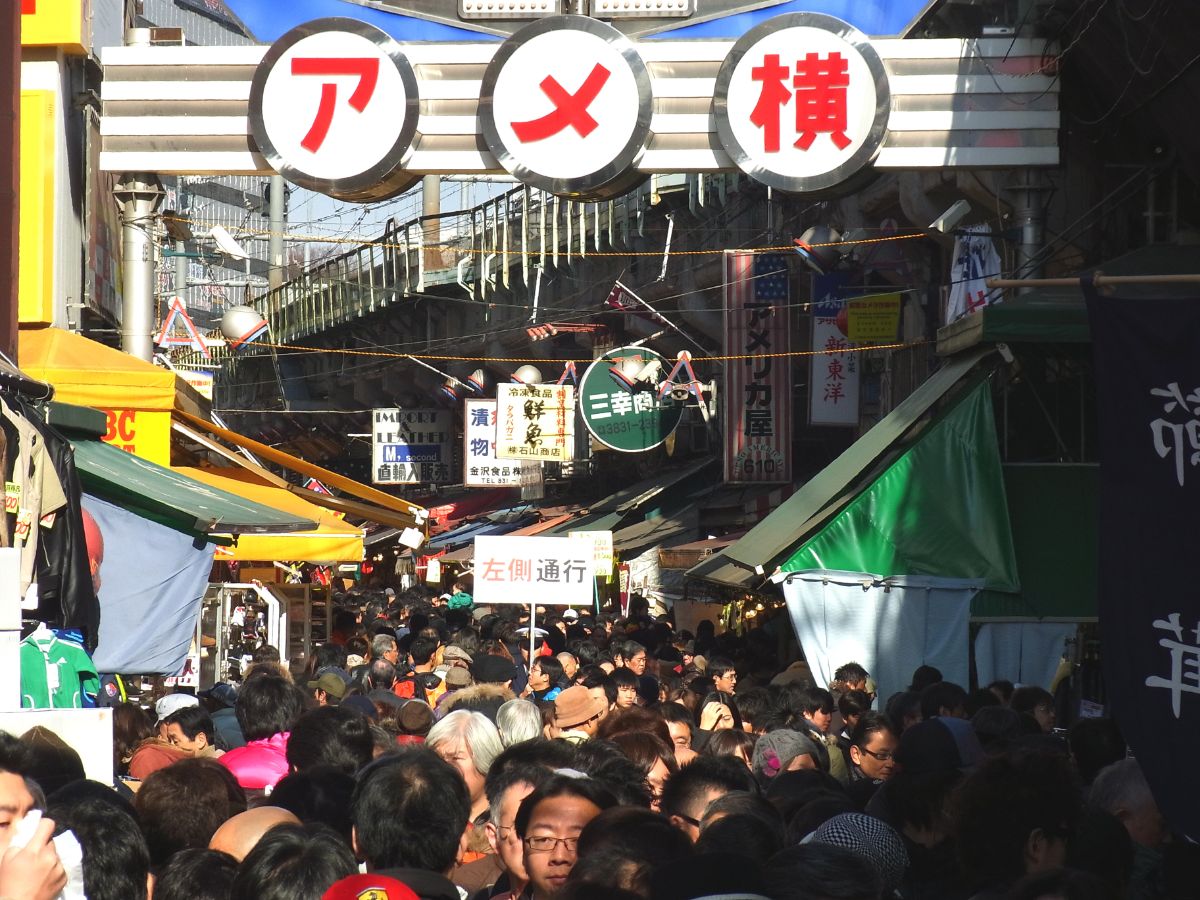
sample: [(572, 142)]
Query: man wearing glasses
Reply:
[(549, 822)]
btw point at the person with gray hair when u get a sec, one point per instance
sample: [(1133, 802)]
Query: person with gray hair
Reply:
[(570, 665), (518, 720), (384, 646), (1122, 791), (469, 742)]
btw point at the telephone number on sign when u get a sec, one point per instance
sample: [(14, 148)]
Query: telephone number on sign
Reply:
[(619, 427)]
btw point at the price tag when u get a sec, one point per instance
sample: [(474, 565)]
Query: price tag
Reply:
[(24, 523)]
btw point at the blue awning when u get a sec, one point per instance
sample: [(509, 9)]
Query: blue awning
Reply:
[(500, 522)]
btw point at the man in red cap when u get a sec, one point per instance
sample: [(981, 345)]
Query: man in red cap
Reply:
[(368, 887)]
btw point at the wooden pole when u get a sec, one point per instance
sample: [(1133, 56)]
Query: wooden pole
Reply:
[(1100, 281), (10, 175)]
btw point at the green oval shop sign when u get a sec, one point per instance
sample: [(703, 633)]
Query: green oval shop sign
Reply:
[(624, 418)]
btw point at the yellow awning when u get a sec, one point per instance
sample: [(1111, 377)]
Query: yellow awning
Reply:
[(411, 514), (333, 541), (87, 373)]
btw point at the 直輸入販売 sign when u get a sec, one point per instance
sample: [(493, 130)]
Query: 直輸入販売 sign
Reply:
[(411, 446)]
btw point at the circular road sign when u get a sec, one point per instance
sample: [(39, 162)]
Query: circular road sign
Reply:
[(630, 421)]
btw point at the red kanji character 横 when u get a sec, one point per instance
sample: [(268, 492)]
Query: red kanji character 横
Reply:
[(821, 86)]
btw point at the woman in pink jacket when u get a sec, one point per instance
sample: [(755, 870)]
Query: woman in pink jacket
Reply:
[(267, 708)]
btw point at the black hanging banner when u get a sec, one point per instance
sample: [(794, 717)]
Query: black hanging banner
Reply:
[(1147, 354)]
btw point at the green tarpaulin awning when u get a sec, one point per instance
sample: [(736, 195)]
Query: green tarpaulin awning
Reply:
[(747, 563), (938, 510), (175, 500)]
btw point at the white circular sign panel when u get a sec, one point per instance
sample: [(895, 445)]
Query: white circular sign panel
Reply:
[(802, 102), (334, 107), (565, 106)]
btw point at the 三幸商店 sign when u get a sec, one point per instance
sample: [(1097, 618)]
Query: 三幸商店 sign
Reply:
[(567, 104)]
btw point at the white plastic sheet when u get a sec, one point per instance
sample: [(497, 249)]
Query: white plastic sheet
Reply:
[(891, 627)]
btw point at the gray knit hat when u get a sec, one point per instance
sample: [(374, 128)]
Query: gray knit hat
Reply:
[(775, 751)]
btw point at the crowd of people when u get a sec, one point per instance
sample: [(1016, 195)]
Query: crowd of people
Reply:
[(437, 750)]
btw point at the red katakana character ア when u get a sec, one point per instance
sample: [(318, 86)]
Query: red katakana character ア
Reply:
[(365, 70)]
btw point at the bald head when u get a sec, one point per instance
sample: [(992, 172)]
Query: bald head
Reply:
[(239, 834)]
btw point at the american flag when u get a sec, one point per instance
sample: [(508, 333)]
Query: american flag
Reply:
[(770, 277)]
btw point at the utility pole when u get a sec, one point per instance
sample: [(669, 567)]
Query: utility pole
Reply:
[(431, 208), (138, 194), (277, 211)]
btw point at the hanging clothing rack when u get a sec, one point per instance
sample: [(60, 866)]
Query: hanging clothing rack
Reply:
[(14, 381)]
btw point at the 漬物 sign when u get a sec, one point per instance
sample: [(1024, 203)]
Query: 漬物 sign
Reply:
[(481, 466)]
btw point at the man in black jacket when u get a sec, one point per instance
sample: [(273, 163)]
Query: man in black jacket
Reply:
[(410, 815)]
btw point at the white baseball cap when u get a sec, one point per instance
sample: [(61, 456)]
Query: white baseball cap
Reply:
[(173, 703)]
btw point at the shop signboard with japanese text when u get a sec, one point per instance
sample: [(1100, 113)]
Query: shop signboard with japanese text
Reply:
[(758, 388), (481, 466), (833, 380), (550, 571), (602, 550), (566, 104), (1148, 436), (535, 422), (802, 102), (874, 319), (411, 446), (627, 416)]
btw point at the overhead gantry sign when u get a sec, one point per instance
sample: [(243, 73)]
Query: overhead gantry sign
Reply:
[(803, 102)]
